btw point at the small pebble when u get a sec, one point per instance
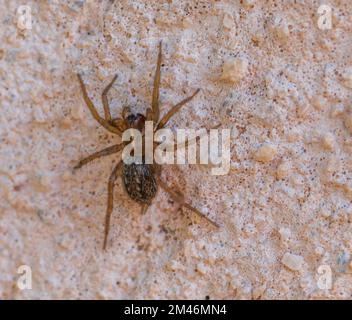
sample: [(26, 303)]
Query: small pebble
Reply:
[(234, 70), (348, 123), (319, 103), (248, 4), (285, 233), (319, 250), (328, 141), (283, 170), (337, 110), (77, 112), (266, 153), (280, 29), (293, 261), (347, 78), (228, 21)]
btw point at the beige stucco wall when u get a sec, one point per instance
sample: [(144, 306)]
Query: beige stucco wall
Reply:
[(266, 70)]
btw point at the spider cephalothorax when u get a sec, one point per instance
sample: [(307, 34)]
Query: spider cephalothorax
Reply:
[(136, 121), (140, 180)]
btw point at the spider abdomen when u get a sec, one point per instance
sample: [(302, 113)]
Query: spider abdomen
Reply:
[(139, 182)]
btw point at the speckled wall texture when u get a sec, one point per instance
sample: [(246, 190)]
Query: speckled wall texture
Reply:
[(267, 69)]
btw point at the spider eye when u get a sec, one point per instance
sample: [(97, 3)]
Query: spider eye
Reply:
[(136, 121), (131, 118)]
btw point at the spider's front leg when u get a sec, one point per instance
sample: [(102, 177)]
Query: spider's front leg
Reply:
[(174, 110), (105, 123), (155, 112), (104, 98), (116, 122)]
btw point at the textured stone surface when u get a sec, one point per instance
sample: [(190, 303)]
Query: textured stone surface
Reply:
[(291, 90)]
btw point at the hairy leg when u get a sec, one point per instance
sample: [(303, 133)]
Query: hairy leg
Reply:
[(149, 114), (188, 142), (144, 208), (155, 99), (94, 112), (110, 206), (178, 197), (105, 99), (175, 109), (126, 112), (105, 152), (119, 124)]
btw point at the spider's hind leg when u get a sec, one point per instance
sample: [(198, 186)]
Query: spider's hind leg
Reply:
[(144, 208), (179, 198), (115, 173)]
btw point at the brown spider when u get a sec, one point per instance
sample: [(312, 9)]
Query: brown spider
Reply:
[(140, 180)]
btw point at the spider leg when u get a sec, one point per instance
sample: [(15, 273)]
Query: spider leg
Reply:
[(144, 208), (175, 109), (155, 98), (125, 112), (149, 114), (111, 184), (94, 112), (119, 124), (179, 197), (187, 142), (105, 100), (105, 152), (157, 170)]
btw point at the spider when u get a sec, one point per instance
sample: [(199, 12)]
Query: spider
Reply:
[(141, 181)]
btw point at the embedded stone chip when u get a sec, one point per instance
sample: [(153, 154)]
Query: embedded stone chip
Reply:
[(347, 78), (283, 170), (348, 123), (337, 110), (228, 21), (248, 4), (234, 70), (319, 102), (266, 153), (292, 261), (328, 141)]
